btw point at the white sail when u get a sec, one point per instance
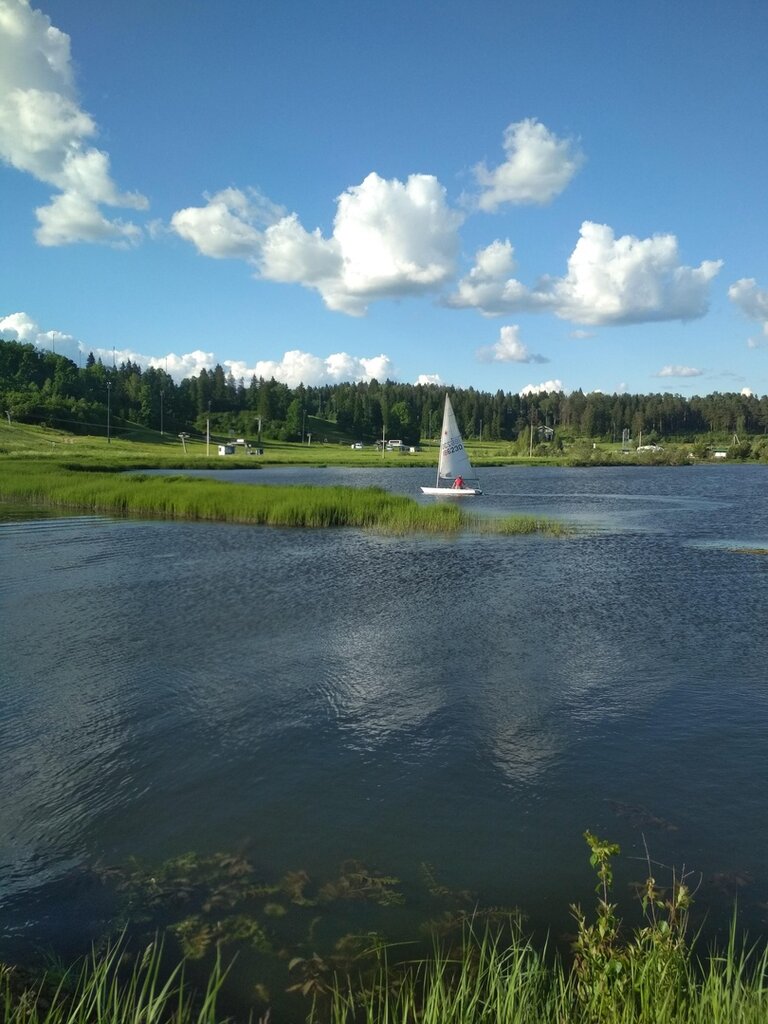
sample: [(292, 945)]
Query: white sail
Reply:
[(453, 462)]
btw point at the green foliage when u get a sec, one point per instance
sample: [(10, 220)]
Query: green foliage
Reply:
[(64, 485), (616, 974), (482, 969)]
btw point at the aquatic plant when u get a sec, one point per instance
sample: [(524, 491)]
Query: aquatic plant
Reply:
[(111, 987), (491, 972), (63, 485)]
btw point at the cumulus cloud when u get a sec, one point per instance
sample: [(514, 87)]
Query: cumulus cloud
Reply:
[(489, 288), (678, 371), (428, 378), (297, 367), (21, 327), (389, 239), (609, 281), (753, 302), (747, 392), (229, 226), (509, 349), (537, 168), (540, 389), (45, 133)]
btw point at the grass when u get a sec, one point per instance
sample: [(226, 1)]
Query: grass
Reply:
[(106, 989), (487, 982), (650, 975), (47, 468), (93, 489), (484, 981)]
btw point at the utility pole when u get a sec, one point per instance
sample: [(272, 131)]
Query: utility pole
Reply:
[(161, 414), (207, 432), (109, 396)]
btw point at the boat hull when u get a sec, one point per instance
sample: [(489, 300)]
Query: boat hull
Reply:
[(452, 492)]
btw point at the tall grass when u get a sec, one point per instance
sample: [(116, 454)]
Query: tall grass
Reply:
[(490, 983), (485, 981), (650, 975), (104, 989), (58, 484)]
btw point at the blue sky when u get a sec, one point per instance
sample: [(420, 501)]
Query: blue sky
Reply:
[(501, 195)]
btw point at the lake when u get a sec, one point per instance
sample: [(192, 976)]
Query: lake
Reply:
[(450, 712)]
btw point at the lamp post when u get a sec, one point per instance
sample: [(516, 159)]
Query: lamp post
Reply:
[(109, 396)]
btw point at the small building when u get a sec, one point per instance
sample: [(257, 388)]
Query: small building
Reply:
[(226, 449)]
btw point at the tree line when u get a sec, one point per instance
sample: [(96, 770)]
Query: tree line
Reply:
[(38, 386)]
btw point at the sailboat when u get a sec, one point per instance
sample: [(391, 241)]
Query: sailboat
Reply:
[(455, 476)]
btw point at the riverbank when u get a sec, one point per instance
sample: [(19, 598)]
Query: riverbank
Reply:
[(652, 974)]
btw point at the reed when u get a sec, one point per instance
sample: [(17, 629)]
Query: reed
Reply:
[(61, 485)]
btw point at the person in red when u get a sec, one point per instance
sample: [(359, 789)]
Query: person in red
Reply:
[(458, 483)]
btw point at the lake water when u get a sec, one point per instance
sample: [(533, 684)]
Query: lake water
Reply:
[(476, 703)]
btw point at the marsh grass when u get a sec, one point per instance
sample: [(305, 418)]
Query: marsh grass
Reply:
[(69, 485), (107, 988), (488, 982), (490, 974), (485, 981)]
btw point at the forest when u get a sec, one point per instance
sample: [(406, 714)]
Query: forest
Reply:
[(38, 386)]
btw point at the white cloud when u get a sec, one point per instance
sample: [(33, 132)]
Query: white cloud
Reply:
[(540, 389), (678, 371), (609, 281), (21, 327), (390, 239), (488, 287), (509, 349), (297, 367), (747, 392), (229, 226), (44, 132), (72, 217), (188, 364), (428, 378), (294, 368), (581, 335), (537, 168), (753, 302)]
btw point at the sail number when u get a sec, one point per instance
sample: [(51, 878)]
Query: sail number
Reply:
[(458, 447)]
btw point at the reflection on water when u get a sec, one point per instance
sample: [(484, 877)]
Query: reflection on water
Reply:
[(475, 702)]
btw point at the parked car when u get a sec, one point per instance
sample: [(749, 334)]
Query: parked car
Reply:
[(357, 444)]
